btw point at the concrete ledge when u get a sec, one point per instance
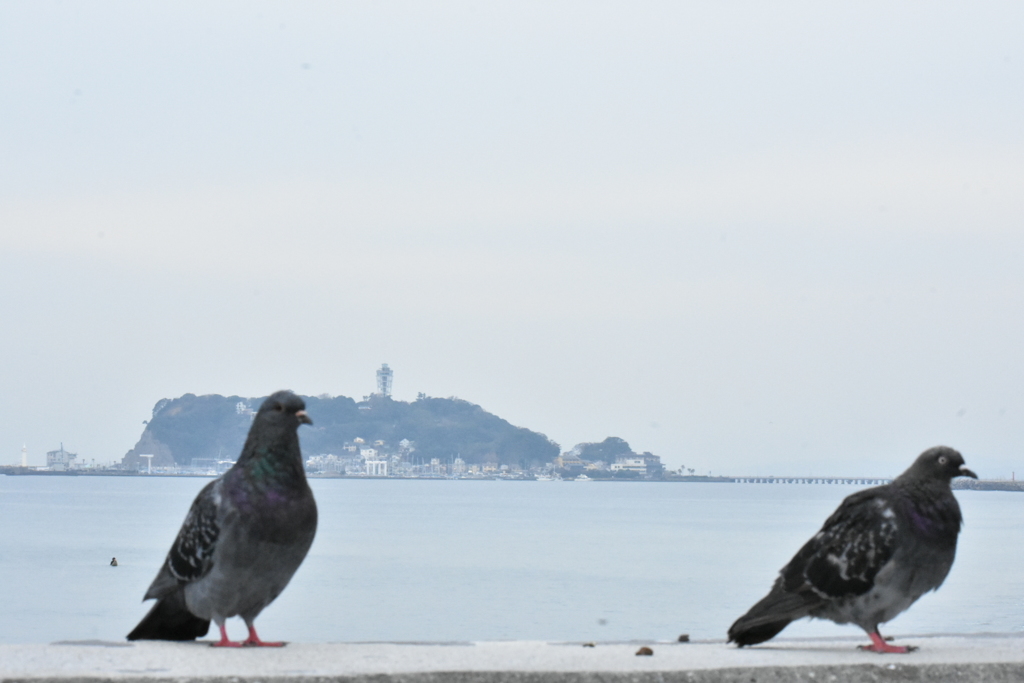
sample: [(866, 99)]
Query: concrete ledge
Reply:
[(941, 658)]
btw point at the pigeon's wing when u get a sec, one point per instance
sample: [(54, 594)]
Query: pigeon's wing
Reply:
[(191, 555), (854, 544)]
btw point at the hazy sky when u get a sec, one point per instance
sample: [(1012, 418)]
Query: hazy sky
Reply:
[(749, 237)]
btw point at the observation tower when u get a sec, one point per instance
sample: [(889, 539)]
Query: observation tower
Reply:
[(384, 376)]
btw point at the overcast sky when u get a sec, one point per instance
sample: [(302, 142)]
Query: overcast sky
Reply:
[(752, 238)]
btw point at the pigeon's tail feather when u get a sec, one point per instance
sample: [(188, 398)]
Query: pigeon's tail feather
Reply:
[(170, 620), (742, 634), (769, 616)]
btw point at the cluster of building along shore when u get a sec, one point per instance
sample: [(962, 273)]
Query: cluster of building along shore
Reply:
[(378, 459), (361, 459)]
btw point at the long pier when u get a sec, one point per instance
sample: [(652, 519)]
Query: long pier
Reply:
[(848, 481)]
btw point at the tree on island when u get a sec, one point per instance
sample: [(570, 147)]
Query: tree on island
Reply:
[(607, 451)]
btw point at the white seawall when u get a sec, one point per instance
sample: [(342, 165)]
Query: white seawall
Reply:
[(940, 658)]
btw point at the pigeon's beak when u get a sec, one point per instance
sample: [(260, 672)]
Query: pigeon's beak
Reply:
[(964, 472), (304, 419)]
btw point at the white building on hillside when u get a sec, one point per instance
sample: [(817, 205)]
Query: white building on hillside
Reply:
[(376, 468), (638, 465), (375, 464)]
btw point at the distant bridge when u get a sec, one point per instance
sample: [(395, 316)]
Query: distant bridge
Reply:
[(849, 481)]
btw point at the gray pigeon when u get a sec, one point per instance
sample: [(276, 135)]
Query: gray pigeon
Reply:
[(245, 535), (879, 552)]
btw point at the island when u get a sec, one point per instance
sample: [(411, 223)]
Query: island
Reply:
[(379, 437)]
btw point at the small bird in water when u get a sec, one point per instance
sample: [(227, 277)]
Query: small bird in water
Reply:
[(113, 562), (880, 551), (242, 540)]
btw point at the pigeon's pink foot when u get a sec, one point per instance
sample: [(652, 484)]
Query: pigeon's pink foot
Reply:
[(879, 645), (254, 640), (224, 640)]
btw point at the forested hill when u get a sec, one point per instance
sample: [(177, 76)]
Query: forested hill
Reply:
[(213, 427)]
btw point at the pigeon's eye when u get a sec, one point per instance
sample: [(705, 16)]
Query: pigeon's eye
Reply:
[(942, 460), (279, 407)]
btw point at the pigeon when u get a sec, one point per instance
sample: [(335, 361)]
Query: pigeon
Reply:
[(879, 552), (243, 538)]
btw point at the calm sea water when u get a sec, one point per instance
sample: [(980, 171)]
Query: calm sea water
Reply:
[(408, 560)]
